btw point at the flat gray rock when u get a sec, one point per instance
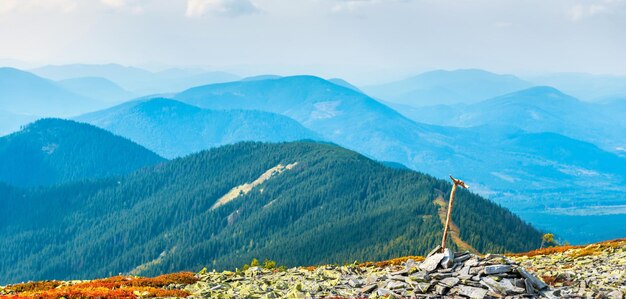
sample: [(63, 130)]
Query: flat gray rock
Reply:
[(431, 263), (472, 292), (536, 282), (450, 281), (496, 269)]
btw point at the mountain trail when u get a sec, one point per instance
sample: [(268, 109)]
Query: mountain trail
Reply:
[(454, 232)]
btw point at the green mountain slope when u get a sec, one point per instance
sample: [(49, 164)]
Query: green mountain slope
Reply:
[(173, 129), (323, 204), (51, 151)]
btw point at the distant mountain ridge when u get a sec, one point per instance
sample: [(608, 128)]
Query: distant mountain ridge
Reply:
[(27, 94), (97, 87), (173, 129), (159, 219), (587, 87), (136, 80), (53, 151), (537, 109), (465, 86)]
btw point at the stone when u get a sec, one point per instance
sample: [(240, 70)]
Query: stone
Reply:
[(430, 264), (392, 285), (441, 290), (435, 250), (505, 287), (472, 292), (409, 264), (496, 269), (462, 258), (510, 288), (385, 292), (448, 258), (450, 281), (420, 276), (402, 272), (549, 295), (615, 295), (536, 282), (423, 287), (368, 289), (355, 283)]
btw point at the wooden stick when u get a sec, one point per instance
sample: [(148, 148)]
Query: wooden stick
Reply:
[(448, 217)]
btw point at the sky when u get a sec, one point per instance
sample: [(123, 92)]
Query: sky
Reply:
[(350, 38)]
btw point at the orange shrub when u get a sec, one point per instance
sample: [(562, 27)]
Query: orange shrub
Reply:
[(73, 292), (392, 262), (33, 286), (112, 287), (157, 282)]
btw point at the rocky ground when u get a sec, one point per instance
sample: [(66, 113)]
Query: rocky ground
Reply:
[(597, 270), (594, 271)]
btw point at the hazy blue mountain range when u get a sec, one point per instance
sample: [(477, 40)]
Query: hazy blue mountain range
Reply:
[(447, 87), (173, 129), (97, 87), (137, 80), (52, 151), (336, 113), (23, 93), (537, 109), (585, 86), (497, 159), (323, 204)]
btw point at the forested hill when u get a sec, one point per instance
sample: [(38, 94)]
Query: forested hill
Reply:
[(174, 129), (51, 151), (298, 203)]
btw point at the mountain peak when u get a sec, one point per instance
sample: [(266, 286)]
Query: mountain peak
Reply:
[(164, 103), (51, 151), (538, 93)]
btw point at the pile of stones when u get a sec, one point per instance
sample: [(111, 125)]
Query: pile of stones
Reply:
[(440, 275)]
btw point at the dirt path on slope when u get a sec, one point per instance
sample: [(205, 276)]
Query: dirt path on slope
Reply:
[(453, 231)]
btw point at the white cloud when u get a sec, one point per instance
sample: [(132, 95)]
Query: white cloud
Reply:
[(134, 6), (7, 6), (64, 6), (231, 8), (353, 5), (590, 9)]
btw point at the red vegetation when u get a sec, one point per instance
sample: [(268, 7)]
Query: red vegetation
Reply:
[(113, 287), (33, 286), (392, 262)]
